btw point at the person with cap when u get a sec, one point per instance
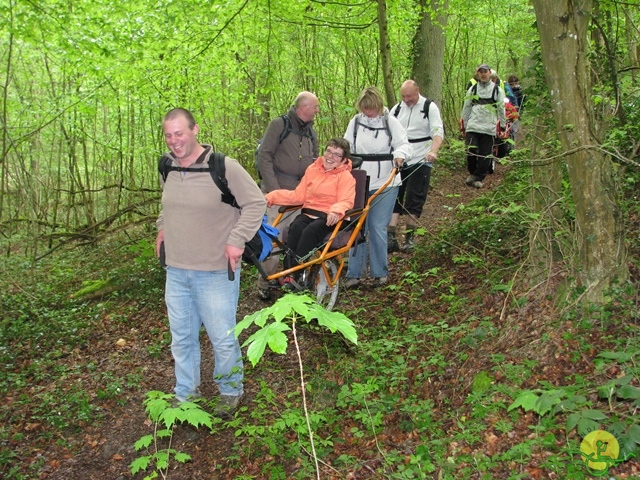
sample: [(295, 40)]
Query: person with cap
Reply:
[(483, 108)]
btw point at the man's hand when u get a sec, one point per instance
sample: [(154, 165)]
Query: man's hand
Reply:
[(399, 162), (233, 254)]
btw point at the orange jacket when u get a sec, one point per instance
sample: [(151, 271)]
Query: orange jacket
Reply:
[(512, 112), (330, 191)]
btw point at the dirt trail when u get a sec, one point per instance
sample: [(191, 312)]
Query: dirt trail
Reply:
[(106, 450)]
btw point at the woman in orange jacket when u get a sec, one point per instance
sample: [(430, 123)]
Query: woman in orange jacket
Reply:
[(326, 192)]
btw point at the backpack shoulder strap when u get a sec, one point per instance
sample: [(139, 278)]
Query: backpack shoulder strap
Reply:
[(286, 130), (355, 130), (164, 164), (425, 110), (396, 111), (385, 122), (218, 174)]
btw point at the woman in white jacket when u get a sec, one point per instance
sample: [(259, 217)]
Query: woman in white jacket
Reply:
[(381, 141)]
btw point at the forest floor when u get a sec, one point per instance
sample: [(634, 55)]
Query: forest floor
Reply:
[(126, 337)]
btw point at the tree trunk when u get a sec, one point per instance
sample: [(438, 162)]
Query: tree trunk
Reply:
[(5, 138), (428, 49), (385, 53), (632, 46), (545, 198), (599, 228)]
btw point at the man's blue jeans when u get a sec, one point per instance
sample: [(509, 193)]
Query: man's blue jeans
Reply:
[(195, 298), (376, 231)]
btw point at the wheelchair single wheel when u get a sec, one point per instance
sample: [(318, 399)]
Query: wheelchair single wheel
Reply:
[(326, 295)]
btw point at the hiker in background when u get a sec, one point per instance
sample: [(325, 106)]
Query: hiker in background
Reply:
[(421, 119), (507, 140), (514, 83), (381, 141), (506, 88), (472, 81), (203, 237), (326, 192), (289, 146), (483, 108)]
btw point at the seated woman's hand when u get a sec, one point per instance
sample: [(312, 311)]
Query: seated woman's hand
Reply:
[(332, 218)]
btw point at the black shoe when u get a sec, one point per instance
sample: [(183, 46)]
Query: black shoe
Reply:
[(392, 243), (264, 294), (287, 284), (409, 242)]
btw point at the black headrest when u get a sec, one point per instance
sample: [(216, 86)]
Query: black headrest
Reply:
[(356, 162)]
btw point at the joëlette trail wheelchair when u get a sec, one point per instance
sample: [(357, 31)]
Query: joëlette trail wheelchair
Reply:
[(321, 269)]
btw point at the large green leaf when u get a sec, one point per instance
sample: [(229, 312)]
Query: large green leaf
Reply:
[(527, 400), (628, 392), (139, 464), (271, 335), (144, 442), (335, 321)]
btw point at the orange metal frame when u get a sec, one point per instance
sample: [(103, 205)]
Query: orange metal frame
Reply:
[(327, 253)]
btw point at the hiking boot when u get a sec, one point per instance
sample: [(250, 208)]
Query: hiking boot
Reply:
[(187, 433), (478, 184), (392, 243), (380, 282), (352, 283), (176, 401), (409, 242), (287, 284), (227, 405), (470, 179), (264, 294)]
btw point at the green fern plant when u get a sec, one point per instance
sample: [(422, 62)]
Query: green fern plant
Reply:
[(165, 418), (273, 323), (619, 415)]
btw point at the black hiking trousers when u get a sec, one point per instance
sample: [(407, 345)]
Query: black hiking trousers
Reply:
[(479, 154)]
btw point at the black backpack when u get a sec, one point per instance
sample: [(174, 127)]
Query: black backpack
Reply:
[(385, 128), (260, 246), (424, 111), (425, 114), (484, 101), (288, 128)]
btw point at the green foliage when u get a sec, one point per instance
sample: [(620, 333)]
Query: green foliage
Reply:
[(92, 286), (165, 418), (622, 399), (296, 308)]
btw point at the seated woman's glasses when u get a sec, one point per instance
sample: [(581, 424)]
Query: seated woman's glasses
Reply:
[(329, 153)]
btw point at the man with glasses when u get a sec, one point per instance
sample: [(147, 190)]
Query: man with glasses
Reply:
[(326, 192), (288, 147)]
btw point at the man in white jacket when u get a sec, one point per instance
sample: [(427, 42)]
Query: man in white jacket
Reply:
[(483, 108), (421, 118)]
